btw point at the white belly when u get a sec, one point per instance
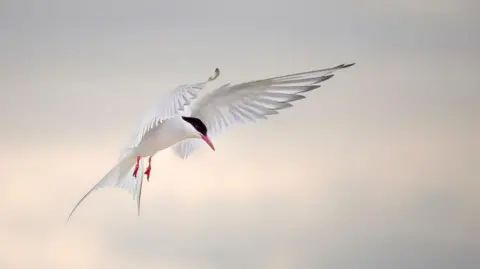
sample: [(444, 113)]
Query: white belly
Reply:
[(167, 134)]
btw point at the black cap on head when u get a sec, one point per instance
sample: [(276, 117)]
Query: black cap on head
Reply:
[(197, 124)]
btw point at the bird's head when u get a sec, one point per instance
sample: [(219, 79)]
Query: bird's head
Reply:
[(198, 130)]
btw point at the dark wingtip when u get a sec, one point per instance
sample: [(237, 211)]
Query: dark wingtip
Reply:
[(343, 66), (311, 88), (327, 77), (215, 75)]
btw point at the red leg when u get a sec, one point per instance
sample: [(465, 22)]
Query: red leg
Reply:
[(149, 168), (136, 166)]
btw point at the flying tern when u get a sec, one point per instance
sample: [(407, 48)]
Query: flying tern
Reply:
[(183, 121)]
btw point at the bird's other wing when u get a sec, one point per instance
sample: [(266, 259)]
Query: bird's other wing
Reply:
[(251, 101), (167, 108)]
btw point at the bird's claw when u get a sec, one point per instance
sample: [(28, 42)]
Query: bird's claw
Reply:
[(147, 172), (135, 171)]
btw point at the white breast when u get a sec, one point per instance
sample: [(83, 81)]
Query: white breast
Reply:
[(168, 133)]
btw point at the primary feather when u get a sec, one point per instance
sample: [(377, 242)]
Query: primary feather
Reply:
[(168, 107), (250, 101), (121, 175)]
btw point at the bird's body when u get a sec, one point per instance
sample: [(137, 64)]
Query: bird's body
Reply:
[(163, 136), (180, 121)]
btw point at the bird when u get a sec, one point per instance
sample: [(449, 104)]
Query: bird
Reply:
[(183, 120)]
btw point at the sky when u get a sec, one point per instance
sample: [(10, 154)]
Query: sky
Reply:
[(378, 168)]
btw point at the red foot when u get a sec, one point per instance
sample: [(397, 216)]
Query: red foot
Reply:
[(147, 172), (149, 168), (136, 166)]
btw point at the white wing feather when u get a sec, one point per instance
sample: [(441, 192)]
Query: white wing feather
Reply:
[(251, 101), (175, 102), (120, 176)]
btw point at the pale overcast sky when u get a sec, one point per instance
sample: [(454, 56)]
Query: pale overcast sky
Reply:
[(376, 169)]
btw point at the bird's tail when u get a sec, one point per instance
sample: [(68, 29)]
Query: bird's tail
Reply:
[(121, 176)]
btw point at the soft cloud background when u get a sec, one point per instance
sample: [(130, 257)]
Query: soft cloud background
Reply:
[(377, 169)]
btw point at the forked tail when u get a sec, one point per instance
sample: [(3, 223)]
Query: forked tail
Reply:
[(121, 176)]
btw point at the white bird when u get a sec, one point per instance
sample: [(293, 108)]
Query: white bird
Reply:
[(179, 123)]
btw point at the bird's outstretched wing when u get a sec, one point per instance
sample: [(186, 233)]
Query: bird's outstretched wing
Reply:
[(120, 176), (251, 101), (167, 108)]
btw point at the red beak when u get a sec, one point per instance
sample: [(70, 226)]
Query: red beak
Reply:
[(207, 140)]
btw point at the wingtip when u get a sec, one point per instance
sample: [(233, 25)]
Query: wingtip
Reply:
[(215, 75)]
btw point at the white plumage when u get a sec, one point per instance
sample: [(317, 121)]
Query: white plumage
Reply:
[(250, 101), (166, 126)]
